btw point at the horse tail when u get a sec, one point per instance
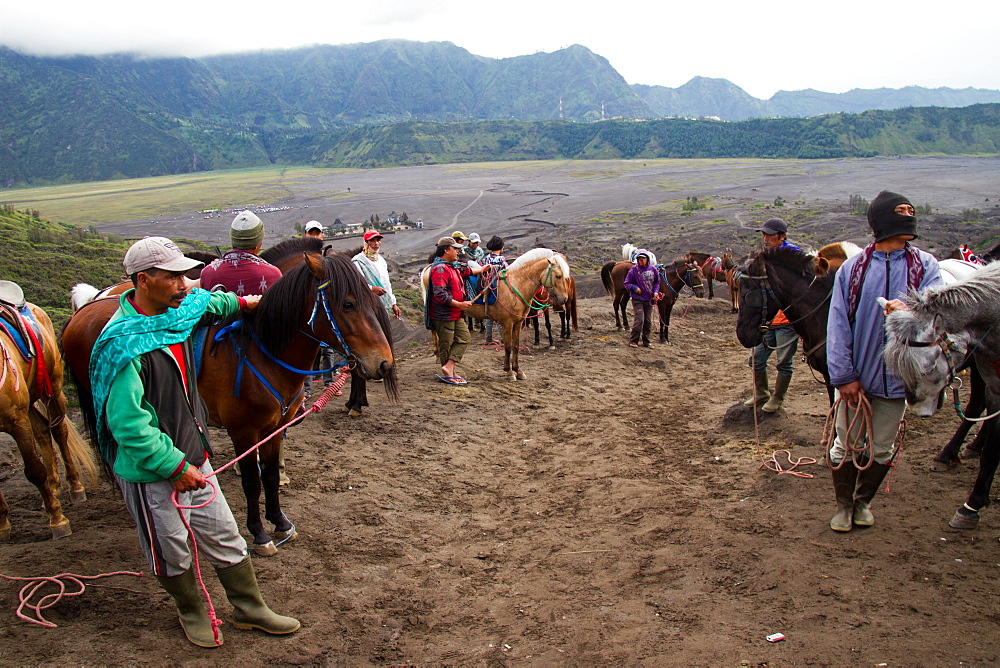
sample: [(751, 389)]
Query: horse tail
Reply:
[(80, 294), (609, 285), (78, 452), (571, 308)]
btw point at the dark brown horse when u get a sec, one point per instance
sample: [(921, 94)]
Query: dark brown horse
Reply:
[(289, 254), (719, 269), (33, 412), (567, 316), (252, 368), (673, 278)]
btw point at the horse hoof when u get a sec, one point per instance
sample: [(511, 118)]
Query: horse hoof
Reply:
[(78, 496), (519, 376), (268, 550), (5, 533), (964, 521), (552, 347), (285, 536), (941, 467), (61, 530), (969, 453), (354, 412)]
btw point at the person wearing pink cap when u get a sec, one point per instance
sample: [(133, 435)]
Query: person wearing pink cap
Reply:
[(375, 270)]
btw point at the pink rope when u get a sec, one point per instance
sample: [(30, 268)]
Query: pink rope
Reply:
[(330, 392), (772, 464), (29, 590)]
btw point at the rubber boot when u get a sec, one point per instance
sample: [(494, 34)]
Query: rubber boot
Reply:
[(778, 398), (191, 608), (250, 611), (868, 483), (760, 393), (844, 481)]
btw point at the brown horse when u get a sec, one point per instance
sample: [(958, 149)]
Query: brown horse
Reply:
[(535, 279), (252, 368), (567, 317), (715, 269), (678, 273), (33, 412)]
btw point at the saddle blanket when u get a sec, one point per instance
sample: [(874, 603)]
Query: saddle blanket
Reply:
[(13, 331)]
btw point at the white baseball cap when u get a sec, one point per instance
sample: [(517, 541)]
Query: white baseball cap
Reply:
[(158, 252), (314, 225)]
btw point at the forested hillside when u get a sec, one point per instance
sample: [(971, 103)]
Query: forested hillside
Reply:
[(399, 102)]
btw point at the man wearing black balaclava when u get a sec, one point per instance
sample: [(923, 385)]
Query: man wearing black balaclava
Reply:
[(888, 267)]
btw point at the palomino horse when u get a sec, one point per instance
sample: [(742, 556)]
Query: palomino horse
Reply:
[(921, 349), (613, 278), (567, 317), (33, 412), (535, 279), (252, 369)]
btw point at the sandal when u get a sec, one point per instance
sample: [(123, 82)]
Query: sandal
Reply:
[(453, 380), (633, 345)]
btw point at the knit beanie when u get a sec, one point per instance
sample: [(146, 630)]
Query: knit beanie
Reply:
[(884, 220), (247, 231), (494, 244)]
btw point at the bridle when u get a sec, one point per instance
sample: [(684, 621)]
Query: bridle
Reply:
[(685, 279), (767, 292), (948, 349)]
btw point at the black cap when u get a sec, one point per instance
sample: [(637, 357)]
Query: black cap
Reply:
[(774, 226)]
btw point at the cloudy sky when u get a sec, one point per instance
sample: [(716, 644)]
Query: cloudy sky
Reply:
[(762, 47)]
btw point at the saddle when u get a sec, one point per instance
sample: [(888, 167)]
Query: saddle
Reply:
[(15, 319)]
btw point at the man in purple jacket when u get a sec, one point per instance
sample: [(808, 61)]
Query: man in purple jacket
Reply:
[(643, 285)]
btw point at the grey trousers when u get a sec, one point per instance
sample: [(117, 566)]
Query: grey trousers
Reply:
[(886, 414), (163, 536)]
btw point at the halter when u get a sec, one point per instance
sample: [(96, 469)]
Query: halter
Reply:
[(243, 361), (948, 348), (765, 290), (685, 279)]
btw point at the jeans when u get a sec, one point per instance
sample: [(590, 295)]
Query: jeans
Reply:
[(325, 359), (782, 341)]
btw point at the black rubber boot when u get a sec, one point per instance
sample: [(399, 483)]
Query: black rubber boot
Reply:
[(845, 479), (191, 609), (868, 483), (250, 611)]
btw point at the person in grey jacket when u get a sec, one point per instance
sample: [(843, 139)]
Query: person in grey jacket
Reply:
[(888, 267)]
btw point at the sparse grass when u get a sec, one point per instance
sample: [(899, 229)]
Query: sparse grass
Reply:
[(84, 204)]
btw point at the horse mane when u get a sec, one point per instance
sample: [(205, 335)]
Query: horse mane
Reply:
[(791, 258), (275, 254), (537, 254), (283, 302), (981, 291)]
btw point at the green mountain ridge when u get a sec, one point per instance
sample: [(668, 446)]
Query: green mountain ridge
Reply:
[(86, 118)]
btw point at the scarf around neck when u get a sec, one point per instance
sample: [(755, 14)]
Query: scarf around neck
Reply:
[(914, 274), (370, 253), (130, 336)]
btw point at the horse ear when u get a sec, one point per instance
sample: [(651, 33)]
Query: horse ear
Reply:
[(821, 267), (315, 264)]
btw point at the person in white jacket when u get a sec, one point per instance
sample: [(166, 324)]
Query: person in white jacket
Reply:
[(375, 270)]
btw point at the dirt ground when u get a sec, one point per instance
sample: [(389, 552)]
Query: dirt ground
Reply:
[(610, 509)]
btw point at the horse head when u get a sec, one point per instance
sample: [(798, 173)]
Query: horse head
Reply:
[(758, 305), (922, 355)]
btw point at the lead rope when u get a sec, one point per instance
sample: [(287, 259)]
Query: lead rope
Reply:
[(863, 419), (316, 407)]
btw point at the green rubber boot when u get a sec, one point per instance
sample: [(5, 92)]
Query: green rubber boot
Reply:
[(778, 398), (760, 393), (191, 608), (250, 611)]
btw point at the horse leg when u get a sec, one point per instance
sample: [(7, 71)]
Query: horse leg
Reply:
[(358, 398), (250, 479), (41, 471), (269, 453), (55, 423), (949, 455), (533, 322), (548, 328), (980, 496), (508, 338), (515, 350), (711, 291), (4, 519)]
